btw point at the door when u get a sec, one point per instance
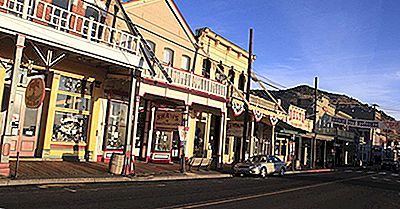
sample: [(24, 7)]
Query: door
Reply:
[(26, 125)]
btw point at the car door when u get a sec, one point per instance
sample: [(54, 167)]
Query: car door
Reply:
[(270, 165), (277, 164)]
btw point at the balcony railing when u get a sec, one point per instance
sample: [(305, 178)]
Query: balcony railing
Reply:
[(60, 19), (190, 81)]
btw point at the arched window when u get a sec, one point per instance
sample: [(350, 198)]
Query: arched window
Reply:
[(242, 81), (206, 68), (168, 56), (152, 45), (185, 64)]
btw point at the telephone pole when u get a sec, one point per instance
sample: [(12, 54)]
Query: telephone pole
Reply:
[(246, 106), (314, 140)]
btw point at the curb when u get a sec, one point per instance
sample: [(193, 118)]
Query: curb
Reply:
[(310, 171), (24, 182)]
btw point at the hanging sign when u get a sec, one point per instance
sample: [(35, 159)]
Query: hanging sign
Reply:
[(34, 93), (258, 115), (234, 128), (237, 108)]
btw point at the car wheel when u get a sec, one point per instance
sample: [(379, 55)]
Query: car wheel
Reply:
[(263, 172), (282, 172)]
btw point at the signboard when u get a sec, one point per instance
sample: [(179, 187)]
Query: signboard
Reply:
[(394, 125), (34, 93), (168, 119), (297, 117), (234, 128)]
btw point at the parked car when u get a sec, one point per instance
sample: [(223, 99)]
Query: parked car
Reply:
[(261, 165), (390, 164)]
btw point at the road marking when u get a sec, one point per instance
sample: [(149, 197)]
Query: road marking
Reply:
[(395, 174), (348, 171), (374, 177), (369, 172), (398, 181), (359, 171), (382, 173), (70, 190), (230, 200), (386, 179)]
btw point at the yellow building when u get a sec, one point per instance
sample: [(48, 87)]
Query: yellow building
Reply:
[(75, 54)]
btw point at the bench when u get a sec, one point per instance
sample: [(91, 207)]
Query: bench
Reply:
[(199, 162)]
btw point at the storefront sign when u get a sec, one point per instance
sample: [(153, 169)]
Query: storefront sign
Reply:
[(297, 117), (168, 119), (234, 128), (34, 93), (357, 123)]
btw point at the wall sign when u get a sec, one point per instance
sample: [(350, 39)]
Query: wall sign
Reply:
[(168, 119), (34, 93)]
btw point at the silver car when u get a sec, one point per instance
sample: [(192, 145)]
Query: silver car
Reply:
[(261, 165)]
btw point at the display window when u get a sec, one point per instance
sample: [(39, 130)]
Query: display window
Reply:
[(116, 125), (73, 104)]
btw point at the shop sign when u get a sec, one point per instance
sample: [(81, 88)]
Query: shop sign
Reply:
[(357, 123), (234, 128), (297, 117), (168, 119), (34, 93)]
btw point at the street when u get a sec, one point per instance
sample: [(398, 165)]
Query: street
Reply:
[(342, 189)]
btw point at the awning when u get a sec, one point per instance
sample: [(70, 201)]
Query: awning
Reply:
[(283, 127)]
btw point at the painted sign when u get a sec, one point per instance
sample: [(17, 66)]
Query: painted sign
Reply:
[(393, 125), (34, 93), (168, 119), (297, 117)]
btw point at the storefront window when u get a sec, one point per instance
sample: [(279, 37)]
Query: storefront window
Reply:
[(72, 110), (70, 127), (162, 141), (116, 125)]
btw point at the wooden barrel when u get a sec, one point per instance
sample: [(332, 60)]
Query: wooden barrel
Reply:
[(116, 163)]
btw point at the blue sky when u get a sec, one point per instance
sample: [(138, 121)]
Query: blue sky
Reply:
[(352, 46)]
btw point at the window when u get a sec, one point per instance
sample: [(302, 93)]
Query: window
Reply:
[(242, 79), (116, 125), (219, 72), (206, 68), (231, 75), (73, 103), (152, 45), (168, 56), (185, 63)]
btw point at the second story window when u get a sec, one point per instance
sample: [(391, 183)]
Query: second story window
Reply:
[(219, 72), (206, 68), (152, 45), (231, 75), (242, 81), (185, 65), (168, 56)]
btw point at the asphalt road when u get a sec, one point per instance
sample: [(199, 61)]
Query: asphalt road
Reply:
[(342, 189)]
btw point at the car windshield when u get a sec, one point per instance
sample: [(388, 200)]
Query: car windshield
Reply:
[(256, 159)]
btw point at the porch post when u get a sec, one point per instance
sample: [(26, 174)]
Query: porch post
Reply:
[(325, 154), (221, 141), (251, 141), (8, 130), (131, 123), (300, 149), (150, 141), (273, 141)]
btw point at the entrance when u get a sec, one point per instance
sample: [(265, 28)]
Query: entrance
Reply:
[(25, 124)]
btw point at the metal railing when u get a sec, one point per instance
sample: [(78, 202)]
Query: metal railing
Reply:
[(58, 18), (190, 81)]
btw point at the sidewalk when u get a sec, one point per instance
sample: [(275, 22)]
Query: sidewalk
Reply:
[(63, 172)]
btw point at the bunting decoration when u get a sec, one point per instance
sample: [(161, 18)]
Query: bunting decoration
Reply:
[(274, 120), (237, 108), (258, 115)]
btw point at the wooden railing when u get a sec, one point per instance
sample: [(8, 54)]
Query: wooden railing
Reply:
[(50, 15), (190, 81)]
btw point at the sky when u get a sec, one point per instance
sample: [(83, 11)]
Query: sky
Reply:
[(352, 46)]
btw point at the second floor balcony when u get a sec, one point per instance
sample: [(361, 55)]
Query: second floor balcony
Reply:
[(86, 29), (189, 81)]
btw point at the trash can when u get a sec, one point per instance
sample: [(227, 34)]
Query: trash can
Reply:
[(116, 164)]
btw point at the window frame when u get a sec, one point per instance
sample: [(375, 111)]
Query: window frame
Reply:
[(171, 61)]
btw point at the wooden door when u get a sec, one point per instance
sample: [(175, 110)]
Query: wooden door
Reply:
[(26, 122)]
